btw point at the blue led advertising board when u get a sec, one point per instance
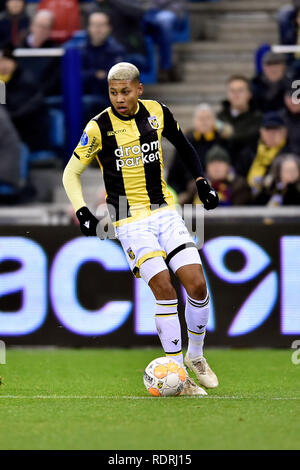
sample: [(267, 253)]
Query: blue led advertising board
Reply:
[(60, 288)]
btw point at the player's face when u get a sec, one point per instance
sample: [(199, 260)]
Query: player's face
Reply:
[(124, 95)]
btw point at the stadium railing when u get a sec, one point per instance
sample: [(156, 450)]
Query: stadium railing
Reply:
[(59, 214)]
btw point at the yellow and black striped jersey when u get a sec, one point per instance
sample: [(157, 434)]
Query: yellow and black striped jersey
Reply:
[(129, 153)]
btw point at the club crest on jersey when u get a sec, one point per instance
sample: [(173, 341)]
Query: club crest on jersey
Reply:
[(130, 253), (153, 122)]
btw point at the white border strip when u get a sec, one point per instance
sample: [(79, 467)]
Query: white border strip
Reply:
[(39, 52), (288, 49)]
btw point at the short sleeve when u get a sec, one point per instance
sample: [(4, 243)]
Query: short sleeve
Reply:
[(90, 143)]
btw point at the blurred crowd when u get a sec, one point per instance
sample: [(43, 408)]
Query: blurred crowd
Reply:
[(250, 155), (250, 148)]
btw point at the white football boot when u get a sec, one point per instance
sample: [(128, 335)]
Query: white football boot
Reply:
[(191, 388), (204, 374)]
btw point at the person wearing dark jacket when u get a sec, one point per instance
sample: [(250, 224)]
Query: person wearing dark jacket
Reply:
[(99, 54), (46, 71), (126, 19), (162, 18), (289, 28), (206, 132), (287, 22), (240, 112), (268, 88), (273, 142), (291, 117), (14, 23), (24, 103), (281, 187), (9, 151), (232, 189)]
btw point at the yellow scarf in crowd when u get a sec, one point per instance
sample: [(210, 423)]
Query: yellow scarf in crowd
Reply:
[(264, 158), (5, 78), (208, 136)]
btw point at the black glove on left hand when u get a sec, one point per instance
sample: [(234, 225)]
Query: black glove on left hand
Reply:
[(207, 194), (88, 222)]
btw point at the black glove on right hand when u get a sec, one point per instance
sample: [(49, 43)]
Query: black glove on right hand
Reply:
[(88, 222), (207, 194)]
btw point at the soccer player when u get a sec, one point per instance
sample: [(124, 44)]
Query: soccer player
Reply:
[(126, 140)]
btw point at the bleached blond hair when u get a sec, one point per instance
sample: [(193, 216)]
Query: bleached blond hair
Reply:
[(124, 71)]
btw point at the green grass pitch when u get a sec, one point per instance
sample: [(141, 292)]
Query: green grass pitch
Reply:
[(95, 399)]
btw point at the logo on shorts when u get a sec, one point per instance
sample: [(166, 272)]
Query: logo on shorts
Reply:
[(153, 122), (130, 253)]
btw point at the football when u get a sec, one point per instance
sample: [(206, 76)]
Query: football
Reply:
[(164, 377)]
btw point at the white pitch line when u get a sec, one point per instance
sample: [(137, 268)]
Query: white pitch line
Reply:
[(102, 397)]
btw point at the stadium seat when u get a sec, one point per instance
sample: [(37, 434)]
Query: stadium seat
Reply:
[(183, 34), (150, 76), (56, 140), (260, 52), (78, 38), (54, 101), (8, 189), (57, 128)]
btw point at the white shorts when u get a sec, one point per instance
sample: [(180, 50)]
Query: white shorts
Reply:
[(163, 238)]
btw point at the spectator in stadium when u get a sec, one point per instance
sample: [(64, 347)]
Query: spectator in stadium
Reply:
[(9, 151), (273, 142), (66, 18), (24, 102), (240, 112), (207, 131), (291, 116), (268, 87), (232, 189), (99, 54), (281, 187), (14, 23), (160, 21), (45, 70), (288, 29), (126, 19)]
